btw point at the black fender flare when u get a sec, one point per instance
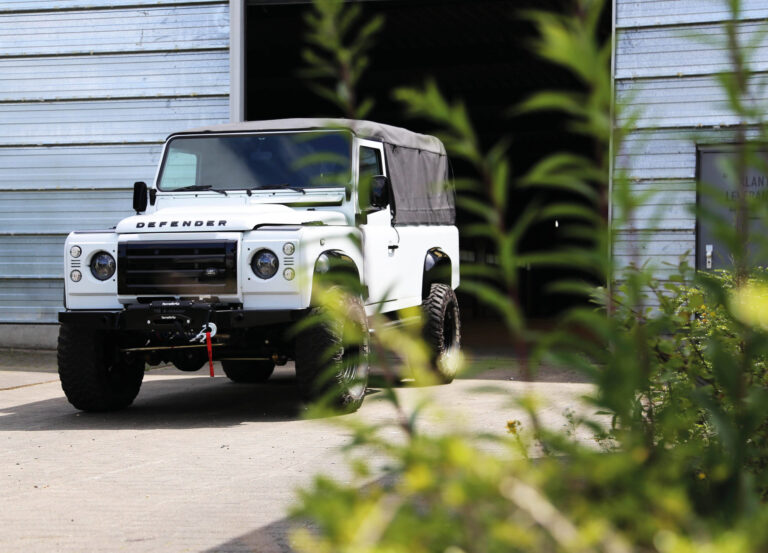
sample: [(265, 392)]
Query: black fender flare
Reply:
[(336, 267), (438, 269)]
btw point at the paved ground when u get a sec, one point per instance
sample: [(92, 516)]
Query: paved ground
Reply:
[(196, 464)]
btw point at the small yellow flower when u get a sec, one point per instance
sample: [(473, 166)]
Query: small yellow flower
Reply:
[(513, 426)]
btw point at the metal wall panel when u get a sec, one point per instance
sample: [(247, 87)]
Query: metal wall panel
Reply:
[(685, 102), (659, 217), (648, 13), (77, 167), (686, 50), (37, 212), (55, 5), (90, 90), (664, 243), (30, 301), (31, 257), (668, 153), (668, 53), (125, 75), (116, 30), (107, 121)]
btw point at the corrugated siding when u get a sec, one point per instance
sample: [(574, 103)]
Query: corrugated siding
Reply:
[(650, 13), (125, 75), (668, 53), (686, 50), (105, 121), (77, 167), (685, 102), (114, 30), (89, 91)]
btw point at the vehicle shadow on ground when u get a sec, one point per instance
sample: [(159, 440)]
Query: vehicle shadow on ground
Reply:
[(182, 402), (176, 402)]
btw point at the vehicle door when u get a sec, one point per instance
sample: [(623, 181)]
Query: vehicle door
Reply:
[(380, 239)]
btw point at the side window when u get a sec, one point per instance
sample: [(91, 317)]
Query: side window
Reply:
[(180, 170), (370, 162)]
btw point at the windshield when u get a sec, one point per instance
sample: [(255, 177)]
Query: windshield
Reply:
[(263, 161)]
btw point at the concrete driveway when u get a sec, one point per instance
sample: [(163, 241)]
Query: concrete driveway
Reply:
[(197, 463)]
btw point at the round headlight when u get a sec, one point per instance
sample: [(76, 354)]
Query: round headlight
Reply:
[(264, 264), (75, 251), (75, 275), (289, 274), (288, 248), (103, 266)]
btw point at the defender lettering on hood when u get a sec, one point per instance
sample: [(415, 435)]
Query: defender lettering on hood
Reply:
[(161, 224)]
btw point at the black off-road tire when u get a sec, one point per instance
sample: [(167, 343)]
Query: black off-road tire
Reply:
[(248, 372), (442, 331), (94, 375), (326, 367)]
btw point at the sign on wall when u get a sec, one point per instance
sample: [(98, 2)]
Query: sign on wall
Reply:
[(720, 189)]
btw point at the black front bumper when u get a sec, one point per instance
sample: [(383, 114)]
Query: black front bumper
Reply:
[(170, 315)]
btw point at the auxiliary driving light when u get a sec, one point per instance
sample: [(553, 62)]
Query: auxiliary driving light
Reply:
[(75, 275), (75, 251), (289, 273), (288, 248)]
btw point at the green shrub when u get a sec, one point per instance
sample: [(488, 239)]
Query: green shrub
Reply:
[(679, 405)]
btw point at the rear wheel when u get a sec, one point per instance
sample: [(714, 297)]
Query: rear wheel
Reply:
[(332, 355), (95, 375), (442, 331), (190, 360), (248, 371)]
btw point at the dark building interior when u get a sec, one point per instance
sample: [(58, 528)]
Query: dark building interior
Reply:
[(478, 51)]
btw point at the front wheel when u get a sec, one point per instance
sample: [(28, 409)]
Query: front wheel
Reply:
[(248, 371), (95, 375), (332, 354), (442, 331)]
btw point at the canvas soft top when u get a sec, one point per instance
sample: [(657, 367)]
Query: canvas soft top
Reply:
[(364, 129), (417, 163)]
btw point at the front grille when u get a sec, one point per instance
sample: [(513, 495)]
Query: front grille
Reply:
[(204, 267)]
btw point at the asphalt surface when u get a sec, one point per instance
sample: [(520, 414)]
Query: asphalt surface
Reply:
[(202, 464)]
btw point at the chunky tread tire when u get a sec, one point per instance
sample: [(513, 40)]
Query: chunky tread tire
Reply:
[(441, 311), (248, 372), (92, 375), (321, 360), (190, 360)]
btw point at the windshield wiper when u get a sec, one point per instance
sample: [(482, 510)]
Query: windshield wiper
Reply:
[(278, 187), (206, 187)]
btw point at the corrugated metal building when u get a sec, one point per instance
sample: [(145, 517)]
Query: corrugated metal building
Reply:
[(90, 88), (667, 55)]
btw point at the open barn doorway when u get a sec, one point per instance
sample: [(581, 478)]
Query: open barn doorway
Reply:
[(476, 50)]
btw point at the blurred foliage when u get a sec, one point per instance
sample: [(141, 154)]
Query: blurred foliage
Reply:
[(677, 413)]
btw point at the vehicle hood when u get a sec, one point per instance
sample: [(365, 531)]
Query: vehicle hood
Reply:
[(224, 218)]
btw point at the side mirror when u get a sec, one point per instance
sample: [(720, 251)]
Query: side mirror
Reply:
[(139, 196), (379, 192)]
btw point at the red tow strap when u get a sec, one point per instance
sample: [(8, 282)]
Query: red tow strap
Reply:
[(210, 350)]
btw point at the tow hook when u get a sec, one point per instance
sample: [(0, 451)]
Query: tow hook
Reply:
[(207, 328)]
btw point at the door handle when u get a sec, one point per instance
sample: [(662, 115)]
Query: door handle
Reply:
[(393, 246)]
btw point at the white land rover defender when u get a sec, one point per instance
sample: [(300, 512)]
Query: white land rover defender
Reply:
[(225, 252)]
